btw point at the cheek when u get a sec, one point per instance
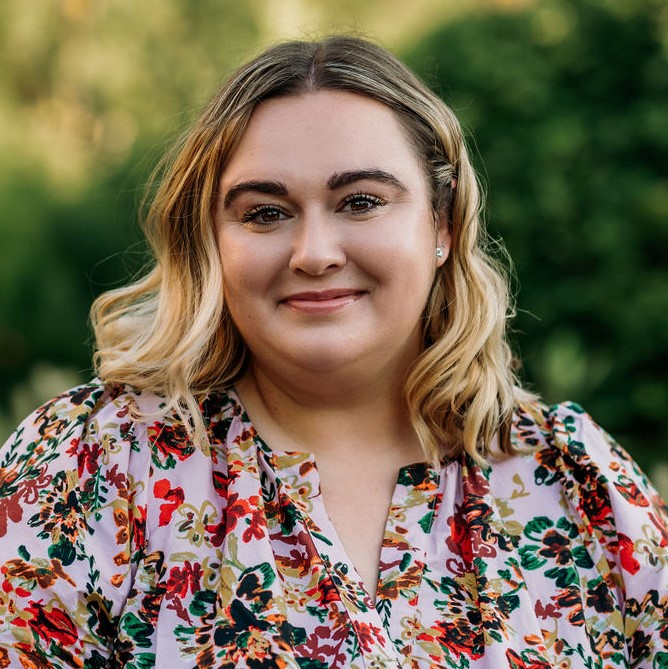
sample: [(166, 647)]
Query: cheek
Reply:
[(409, 251), (249, 271)]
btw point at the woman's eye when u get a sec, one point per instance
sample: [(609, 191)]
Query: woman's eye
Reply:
[(361, 203), (263, 215)]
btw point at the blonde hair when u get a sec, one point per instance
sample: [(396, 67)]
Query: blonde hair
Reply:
[(171, 332)]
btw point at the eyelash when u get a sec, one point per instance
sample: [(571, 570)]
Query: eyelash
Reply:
[(253, 216), (363, 197)]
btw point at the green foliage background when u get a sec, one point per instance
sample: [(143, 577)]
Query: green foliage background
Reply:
[(568, 105), (566, 102)]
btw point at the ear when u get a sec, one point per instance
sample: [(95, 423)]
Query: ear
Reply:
[(443, 237)]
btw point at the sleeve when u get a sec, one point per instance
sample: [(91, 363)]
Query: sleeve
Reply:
[(71, 526), (628, 522)]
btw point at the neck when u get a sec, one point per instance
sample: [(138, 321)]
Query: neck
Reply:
[(356, 419)]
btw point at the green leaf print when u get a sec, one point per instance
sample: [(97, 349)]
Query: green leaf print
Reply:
[(507, 604), (566, 526), (142, 661), (581, 557), (660, 661), (137, 630), (202, 602), (63, 551), (529, 559), (426, 521), (307, 663), (480, 565), (563, 576), (297, 634), (318, 612), (534, 528), (268, 574)]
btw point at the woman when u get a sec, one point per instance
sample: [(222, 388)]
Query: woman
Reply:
[(321, 295)]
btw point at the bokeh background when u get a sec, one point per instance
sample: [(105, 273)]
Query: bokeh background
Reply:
[(565, 103)]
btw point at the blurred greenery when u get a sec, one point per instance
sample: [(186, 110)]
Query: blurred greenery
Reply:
[(565, 101), (568, 106)]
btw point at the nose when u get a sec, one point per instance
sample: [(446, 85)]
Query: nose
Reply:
[(317, 247)]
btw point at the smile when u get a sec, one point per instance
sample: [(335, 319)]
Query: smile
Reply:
[(321, 302)]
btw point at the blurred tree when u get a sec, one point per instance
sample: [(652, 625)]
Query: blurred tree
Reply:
[(568, 107), (85, 88)]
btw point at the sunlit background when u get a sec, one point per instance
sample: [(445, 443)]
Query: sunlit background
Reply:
[(565, 101)]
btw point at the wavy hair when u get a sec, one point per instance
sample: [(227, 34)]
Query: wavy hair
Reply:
[(171, 333)]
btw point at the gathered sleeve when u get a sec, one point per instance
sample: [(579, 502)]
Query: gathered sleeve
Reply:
[(72, 528), (626, 524)]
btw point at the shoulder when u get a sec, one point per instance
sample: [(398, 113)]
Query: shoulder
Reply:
[(113, 415), (90, 404), (566, 461), (565, 444), (79, 445)]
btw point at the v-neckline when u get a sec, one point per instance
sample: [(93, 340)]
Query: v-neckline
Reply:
[(418, 479)]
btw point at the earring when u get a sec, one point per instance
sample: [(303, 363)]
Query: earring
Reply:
[(439, 252)]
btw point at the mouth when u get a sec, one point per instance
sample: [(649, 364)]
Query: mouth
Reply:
[(322, 301)]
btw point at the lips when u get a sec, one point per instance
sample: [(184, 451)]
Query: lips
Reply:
[(322, 301)]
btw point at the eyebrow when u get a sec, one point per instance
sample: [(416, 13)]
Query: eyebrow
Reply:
[(268, 187), (340, 179), (337, 180)]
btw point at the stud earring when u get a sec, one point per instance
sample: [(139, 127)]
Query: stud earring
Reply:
[(439, 252)]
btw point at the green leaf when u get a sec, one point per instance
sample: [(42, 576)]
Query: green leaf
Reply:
[(426, 521), (138, 630), (308, 663), (298, 634), (563, 576), (660, 661), (142, 661), (568, 527), (202, 602), (534, 528), (581, 557), (529, 559), (63, 551)]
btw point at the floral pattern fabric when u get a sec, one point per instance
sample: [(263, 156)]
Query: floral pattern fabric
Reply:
[(122, 545)]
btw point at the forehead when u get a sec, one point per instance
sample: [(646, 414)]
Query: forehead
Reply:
[(326, 131)]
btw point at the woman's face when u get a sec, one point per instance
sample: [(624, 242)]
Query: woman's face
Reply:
[(327, 236)]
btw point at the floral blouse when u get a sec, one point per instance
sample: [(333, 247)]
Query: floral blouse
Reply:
[(122, 545)]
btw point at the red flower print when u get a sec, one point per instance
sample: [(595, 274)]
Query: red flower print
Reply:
[(169, 441), (52, 625), (626, 549), (630, 492), (87, 458), (546, 611), (459, 541), (256, 526), (457, 636), (174, 497), (528, 660), (368, 636), (326, 592), (236, 509), (10, 509), (183, 580)]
